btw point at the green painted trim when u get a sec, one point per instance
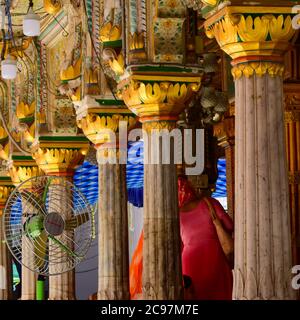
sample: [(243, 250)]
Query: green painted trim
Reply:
[(111, 114), (110, 102), (16, 157), (27, 120), (112, 44), (62, 138), (5, 179), (162, 69)]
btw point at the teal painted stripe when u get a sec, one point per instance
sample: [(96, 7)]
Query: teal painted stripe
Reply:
[(13, 96), (89, 9), (52, 25)]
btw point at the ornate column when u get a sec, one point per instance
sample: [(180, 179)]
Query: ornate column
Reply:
[(158, 99), (224, 131), (21, 169), (100, 121), (292, 132), (59, 156), (6, 276), (256, 38)]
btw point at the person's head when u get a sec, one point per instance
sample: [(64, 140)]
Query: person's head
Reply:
[(186, 192)]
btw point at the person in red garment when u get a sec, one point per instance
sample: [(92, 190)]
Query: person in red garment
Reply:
[(204, 262), (206, 269)]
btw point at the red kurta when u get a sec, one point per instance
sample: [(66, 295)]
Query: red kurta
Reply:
[(203, 259)]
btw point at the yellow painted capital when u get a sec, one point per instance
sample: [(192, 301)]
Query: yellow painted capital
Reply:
[(5, 191), (21, 169), (24, 110), (110, 32), (72, 72), (96, 126), (159, 125), (20, 174), (253, 33), (58, 161), (258, 68), (163, 99)]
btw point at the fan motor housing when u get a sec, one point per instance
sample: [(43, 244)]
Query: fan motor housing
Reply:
[(54, 224)]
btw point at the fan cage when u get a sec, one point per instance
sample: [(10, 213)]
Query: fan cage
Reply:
[(61, 197)]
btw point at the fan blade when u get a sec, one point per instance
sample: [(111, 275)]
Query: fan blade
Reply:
[(38, 203), (77, 221), (64, 247), (40, 249), (44, 197)]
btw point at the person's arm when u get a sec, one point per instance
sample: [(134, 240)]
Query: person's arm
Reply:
[(224, 227), (224, 217)]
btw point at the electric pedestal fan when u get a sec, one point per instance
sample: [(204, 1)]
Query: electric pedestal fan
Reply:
[(49, 227)]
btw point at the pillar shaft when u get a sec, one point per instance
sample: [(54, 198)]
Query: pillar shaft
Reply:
[(63, 162), (224, 131), (262, 226), (29, 278), (292, 133), (21, 172), (158, 106), (162, 275), (61, 286), (257, 41), (113, 253), (5, 267), (113, 272), (229, 155)]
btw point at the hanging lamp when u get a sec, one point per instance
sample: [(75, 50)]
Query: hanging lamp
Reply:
[(31, 22), (8, 68)]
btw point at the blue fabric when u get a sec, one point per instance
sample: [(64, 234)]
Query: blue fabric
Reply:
[(221, 190), (86, 180), (86, 177), (135, 173)]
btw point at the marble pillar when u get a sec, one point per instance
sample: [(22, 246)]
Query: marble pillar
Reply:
[(113, 271), (262, 225), (162, 275), (6, 276), (28, 278), (64, 161), (103, 128), (158, 106), (61, 286), (257, 40), (292, 133)]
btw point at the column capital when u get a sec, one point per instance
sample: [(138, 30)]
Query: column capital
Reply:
[(21, 168), (60, 155), (225, 132), (6, 187), (159, 97), (98, 116), (253, 33)]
